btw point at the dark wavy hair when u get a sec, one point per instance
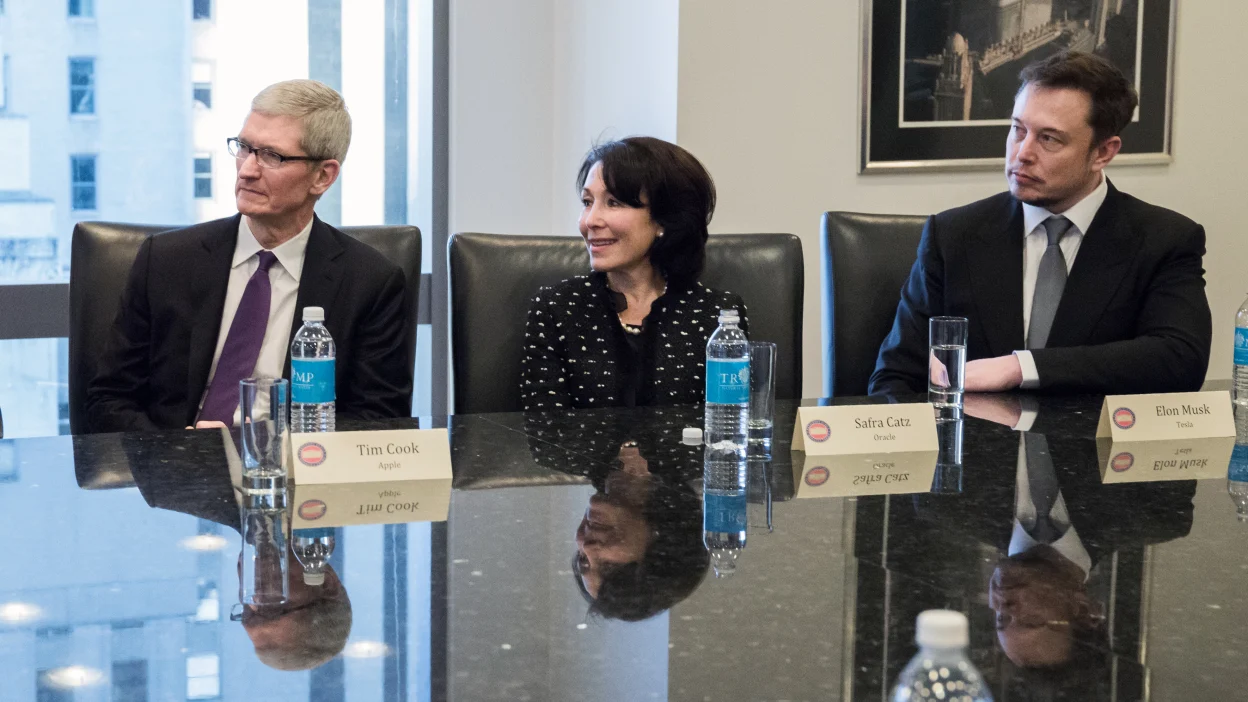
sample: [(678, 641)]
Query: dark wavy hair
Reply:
[(649, 172), (1113, 97), (672, 568)]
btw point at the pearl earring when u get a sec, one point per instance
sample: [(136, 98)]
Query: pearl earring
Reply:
[(660, 232)]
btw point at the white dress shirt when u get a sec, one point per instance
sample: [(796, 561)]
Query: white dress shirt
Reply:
[(1035, 241), (284, 283), (1069, 545)]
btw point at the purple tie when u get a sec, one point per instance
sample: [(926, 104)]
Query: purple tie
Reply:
[(242, 345)]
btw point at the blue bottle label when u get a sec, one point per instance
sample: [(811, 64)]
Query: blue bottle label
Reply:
[(1241, 346), (311, 380), (313, 533), (724, 514), (728, 381), (1239, 463)]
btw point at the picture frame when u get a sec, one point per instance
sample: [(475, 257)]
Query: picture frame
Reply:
[(921, 56)]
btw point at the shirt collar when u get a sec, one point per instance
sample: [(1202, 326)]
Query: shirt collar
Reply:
[(1081, 214), (1070, 546), (289, 254)]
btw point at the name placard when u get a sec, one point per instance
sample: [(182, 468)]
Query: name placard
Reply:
[(370, 477), (856, 475), (1170, 459), (1165, 416), (865, 429)]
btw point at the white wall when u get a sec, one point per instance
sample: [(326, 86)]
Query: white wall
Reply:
[(768, 101), (534, 85)]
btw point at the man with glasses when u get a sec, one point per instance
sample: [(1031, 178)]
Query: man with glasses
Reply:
[(209, 305)]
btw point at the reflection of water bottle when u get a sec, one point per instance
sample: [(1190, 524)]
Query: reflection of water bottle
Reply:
[(723, 510), (312, 548), (727, 386), (312, 375), (1237, 480), (263, 570), (941, 669), (1239, 376)]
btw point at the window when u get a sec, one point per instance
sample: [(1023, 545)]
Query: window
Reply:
[(5, 72), (82, 174), (203, 676), (203, 176), (82, 8), (200, 9), (129, 681), (202, 94), (82, 86)]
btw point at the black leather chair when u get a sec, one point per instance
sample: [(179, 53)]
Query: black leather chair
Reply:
[(100, 260), (493, 277), (866, 259)]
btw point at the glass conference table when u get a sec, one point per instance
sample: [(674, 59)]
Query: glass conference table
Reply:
[(121, 573)]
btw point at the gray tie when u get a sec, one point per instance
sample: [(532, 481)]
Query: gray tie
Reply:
[(1049, 283), (1043, 487)]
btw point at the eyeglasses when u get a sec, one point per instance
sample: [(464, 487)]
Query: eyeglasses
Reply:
[(239, 611), (267, 158)]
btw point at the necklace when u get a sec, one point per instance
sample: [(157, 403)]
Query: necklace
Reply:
[(621, 304)]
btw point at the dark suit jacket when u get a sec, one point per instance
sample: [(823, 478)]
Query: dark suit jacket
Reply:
[(158, 358), (1133, 316)]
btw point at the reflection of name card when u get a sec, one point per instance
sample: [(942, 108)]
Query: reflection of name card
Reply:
[(1166, 416), (370, 477), (865, 429), (1168, 459), (858, 474)]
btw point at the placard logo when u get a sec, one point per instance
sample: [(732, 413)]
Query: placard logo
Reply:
[(817, 476), (312, 510), (1124, 418), (1122, 462), (311, 454), (818, 430)]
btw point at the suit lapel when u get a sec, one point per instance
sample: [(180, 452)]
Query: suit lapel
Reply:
[(321, 276), (1108, 247), (208, 287), (995, 258)]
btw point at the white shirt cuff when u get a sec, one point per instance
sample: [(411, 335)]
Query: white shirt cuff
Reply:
[(1031, 376)]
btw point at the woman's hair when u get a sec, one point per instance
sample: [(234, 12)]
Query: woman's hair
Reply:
[(673, 565), (649, 172)]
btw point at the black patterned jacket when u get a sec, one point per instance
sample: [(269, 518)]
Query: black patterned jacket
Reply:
[(577, 354)]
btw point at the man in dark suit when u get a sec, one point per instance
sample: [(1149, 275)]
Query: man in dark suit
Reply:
[(209, 305), (1069, 285)]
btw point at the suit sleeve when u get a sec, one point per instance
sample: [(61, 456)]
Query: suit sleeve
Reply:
[(1170, 350), (901, 367), (381, 376), (117, 395), (543, 371)]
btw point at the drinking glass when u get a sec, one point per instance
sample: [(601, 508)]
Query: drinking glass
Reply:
[(946, 361), (762, 394), (948, 477), (264, 406), (264, 573)]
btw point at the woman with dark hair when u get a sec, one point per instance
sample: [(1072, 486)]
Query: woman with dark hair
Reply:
[(634, 331)]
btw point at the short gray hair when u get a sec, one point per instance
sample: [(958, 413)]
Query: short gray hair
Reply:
[(321, 110)]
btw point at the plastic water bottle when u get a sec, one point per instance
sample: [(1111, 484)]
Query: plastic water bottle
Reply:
[(312, 548), (312, 375), (727, 388), (941, 670), (723, 509), (1239, 392)]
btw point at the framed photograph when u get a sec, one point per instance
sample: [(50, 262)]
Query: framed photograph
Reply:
[(939, 76)]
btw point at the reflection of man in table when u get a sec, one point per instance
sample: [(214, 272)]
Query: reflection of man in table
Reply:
[(192, 476), (1069, 285)]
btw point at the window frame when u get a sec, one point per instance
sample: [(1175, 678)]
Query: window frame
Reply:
[(87, 91), (76, 185), (201, 176)]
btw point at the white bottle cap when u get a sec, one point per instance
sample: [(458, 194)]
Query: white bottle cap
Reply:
[(729, 314), (942, 628), (313, 579), (691, 436), (314, 314)]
